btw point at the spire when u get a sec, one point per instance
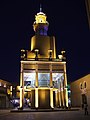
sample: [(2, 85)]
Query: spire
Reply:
[(40, 8)]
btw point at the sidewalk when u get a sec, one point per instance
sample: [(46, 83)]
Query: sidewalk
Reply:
[(4, 111), (43, 110)]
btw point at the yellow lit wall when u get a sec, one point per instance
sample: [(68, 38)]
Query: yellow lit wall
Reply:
[(76, 92), (43, 44)]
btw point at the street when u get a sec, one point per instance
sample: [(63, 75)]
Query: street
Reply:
[(59, 115)]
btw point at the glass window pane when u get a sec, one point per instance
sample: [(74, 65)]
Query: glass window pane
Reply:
[(44, 79), (56, 77), (29, 80)]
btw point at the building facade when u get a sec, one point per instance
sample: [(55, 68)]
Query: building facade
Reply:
[(5, 94), (80, 91), (43, 79)]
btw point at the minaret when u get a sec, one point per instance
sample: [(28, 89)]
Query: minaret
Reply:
[(41, 40)]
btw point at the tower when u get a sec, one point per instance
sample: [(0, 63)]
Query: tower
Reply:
[(43, 79), (41, 40)]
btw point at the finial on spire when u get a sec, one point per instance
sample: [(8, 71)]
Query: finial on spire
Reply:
[(40, 8)]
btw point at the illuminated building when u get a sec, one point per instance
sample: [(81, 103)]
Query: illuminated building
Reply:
[(43, 79), (5, 94), (80, 91)]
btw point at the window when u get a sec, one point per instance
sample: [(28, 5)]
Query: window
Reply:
[(80, 85), (57, 78), (84, 84), (44, 79), (29, 80)]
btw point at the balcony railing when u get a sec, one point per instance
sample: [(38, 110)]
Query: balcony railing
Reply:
[(41, 59)]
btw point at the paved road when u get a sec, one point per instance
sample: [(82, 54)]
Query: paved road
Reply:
[(60, 115)]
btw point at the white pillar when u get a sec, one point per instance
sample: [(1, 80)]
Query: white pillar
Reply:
[(65, 84), (21, 87), (36, 97), (60, 102), (51, 84), (36, 87), (62, 93), (36, 81), (51, 97), (51, 89)]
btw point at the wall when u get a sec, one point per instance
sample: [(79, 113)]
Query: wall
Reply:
[(76, 91)]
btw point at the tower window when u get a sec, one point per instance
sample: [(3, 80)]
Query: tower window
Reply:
[(80, 85), (84, 84)]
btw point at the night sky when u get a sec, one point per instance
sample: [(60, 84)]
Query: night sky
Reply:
[(67, 22)]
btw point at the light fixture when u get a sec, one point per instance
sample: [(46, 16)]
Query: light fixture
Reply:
[(60, 57)]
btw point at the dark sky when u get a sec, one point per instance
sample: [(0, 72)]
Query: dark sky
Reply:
[(67, 22)]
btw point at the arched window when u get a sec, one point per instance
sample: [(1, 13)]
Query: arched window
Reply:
[(80, 85), (85, 84)]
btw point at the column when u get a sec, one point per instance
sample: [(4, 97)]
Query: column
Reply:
[(36, 82), (51, 97), (62, 94), (36, 97), (51, 83), (36, 88), (59, 92), (21, 87), (65, 84), (51, 89)]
